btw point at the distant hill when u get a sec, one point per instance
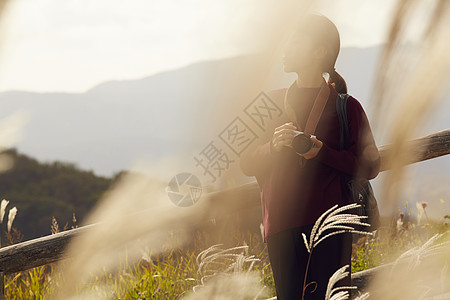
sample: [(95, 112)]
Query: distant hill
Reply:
[(172, 114), (106, 128), (42, 190)]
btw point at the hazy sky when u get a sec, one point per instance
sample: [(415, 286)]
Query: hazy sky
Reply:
[(72, 45)]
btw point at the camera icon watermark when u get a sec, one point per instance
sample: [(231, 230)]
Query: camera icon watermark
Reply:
[(184, 189)]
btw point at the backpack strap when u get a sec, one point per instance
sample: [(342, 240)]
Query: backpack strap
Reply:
[(344, 132)]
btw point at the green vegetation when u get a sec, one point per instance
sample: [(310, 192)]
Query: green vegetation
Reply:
[(395, 238), (174, 274), (42, 190), (164, 276)]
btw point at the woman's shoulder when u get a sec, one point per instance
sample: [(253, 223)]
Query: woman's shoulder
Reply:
[(353, 104), (355, 110), (276, 95)]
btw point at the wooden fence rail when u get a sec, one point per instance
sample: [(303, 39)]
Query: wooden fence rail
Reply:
[(424, 148), (48, 249)]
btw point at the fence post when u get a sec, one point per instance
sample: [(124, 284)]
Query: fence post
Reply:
[(2, 275), (2, 286)]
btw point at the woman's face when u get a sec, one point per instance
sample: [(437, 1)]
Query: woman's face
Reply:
[(300, 54)]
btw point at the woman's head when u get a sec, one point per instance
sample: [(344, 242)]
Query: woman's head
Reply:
[(315, 45)]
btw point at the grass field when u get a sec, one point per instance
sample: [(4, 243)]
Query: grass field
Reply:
[(175, 274)]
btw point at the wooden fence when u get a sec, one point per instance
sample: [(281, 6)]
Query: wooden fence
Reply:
[(49, 249)]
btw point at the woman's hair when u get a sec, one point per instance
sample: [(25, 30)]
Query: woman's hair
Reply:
[(338, 81), (324, 33)]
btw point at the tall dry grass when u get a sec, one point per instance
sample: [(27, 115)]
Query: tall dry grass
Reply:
[(405, 94), (410, 82)]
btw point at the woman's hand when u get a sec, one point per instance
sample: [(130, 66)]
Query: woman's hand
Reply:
[(283, 136), (317, 145)]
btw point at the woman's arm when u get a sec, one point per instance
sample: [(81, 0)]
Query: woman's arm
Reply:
[(255, 160), (361, 159)]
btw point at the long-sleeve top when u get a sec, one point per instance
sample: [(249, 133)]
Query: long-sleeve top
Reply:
[(295, 195)]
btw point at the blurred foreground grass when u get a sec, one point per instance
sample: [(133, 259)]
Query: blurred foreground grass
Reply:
[(173, 274)]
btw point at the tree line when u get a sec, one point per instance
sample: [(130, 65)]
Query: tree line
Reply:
[(41, 191)]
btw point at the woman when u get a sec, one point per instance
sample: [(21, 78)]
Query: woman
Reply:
[(297, 188)]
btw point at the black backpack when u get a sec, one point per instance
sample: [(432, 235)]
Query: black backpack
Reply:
[(361, 191)]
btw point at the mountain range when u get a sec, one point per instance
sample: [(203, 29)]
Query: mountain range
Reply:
[(170, 114)]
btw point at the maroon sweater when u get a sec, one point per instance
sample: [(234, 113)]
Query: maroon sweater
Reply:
[(292, 195)]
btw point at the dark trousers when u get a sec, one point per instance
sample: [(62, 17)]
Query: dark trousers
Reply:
[(288, 258)]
